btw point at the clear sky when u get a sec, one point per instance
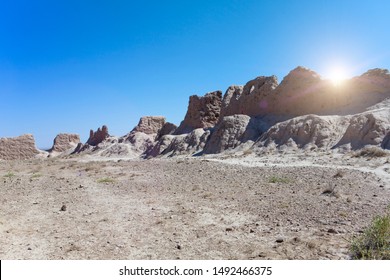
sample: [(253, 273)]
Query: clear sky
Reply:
[(69, 66)]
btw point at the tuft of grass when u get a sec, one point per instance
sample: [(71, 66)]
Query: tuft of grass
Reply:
[(374, 243), (36, 175), (276, 179), (106, 180), (9, 175), (371, 152)]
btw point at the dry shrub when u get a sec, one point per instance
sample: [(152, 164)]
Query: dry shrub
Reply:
[(371, 152), (374, 243)]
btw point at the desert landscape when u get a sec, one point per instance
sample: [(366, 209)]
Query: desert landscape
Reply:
[(294, 170)]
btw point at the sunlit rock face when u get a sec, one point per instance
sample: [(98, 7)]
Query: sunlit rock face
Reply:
[(22, 147), (303, 92), (150, 124), (64, 142)]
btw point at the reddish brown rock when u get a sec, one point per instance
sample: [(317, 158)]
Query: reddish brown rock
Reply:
[(150, 124), (203, 112), (22, 147), (97, 137)]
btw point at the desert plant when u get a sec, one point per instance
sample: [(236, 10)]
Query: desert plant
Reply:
[(276, 179), (371, 152), (9, 175), (35, 175), (106, 180), (374, 243)]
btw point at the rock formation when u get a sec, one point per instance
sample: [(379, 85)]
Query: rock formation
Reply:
[(168, 128), (184, 144), (150, 125), (97, 137), (386, 141), (254, 99), (231, 132), (65, 142), (304, 92), (203, 112), (303, 112), (22, 147), (368, 128), (311, 132), (305, 132)]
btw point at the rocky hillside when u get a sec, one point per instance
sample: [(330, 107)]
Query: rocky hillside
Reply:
[(303, 112)]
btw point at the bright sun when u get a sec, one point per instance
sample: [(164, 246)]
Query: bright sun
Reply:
[(337, 75)]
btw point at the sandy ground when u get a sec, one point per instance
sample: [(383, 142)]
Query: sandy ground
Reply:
[(290, 207)]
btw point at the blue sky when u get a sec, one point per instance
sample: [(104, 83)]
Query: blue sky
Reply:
[(69, 66)]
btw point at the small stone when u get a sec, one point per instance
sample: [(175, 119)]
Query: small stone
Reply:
[(279, 240), (178, 247), (381, 186), (229, 229), (251, 231), (29, 248), (63, 208), (332, 230)]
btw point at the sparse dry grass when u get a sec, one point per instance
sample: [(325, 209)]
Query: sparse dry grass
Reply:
[(36, 175), (370, 152), (374, 243), (276, 179), (106, 180), (9, 175)]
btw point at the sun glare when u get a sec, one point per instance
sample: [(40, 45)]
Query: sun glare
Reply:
[(337, 76)]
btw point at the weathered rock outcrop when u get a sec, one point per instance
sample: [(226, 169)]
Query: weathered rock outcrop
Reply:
[(150, 125), (386, 141), (65, 142), (168, 128), (310, 132), (183, 144), (304, 92), (231, 132), (22, 147), (254, 99), (366, 129), (203, 112), (305, 132), (97, 137)]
